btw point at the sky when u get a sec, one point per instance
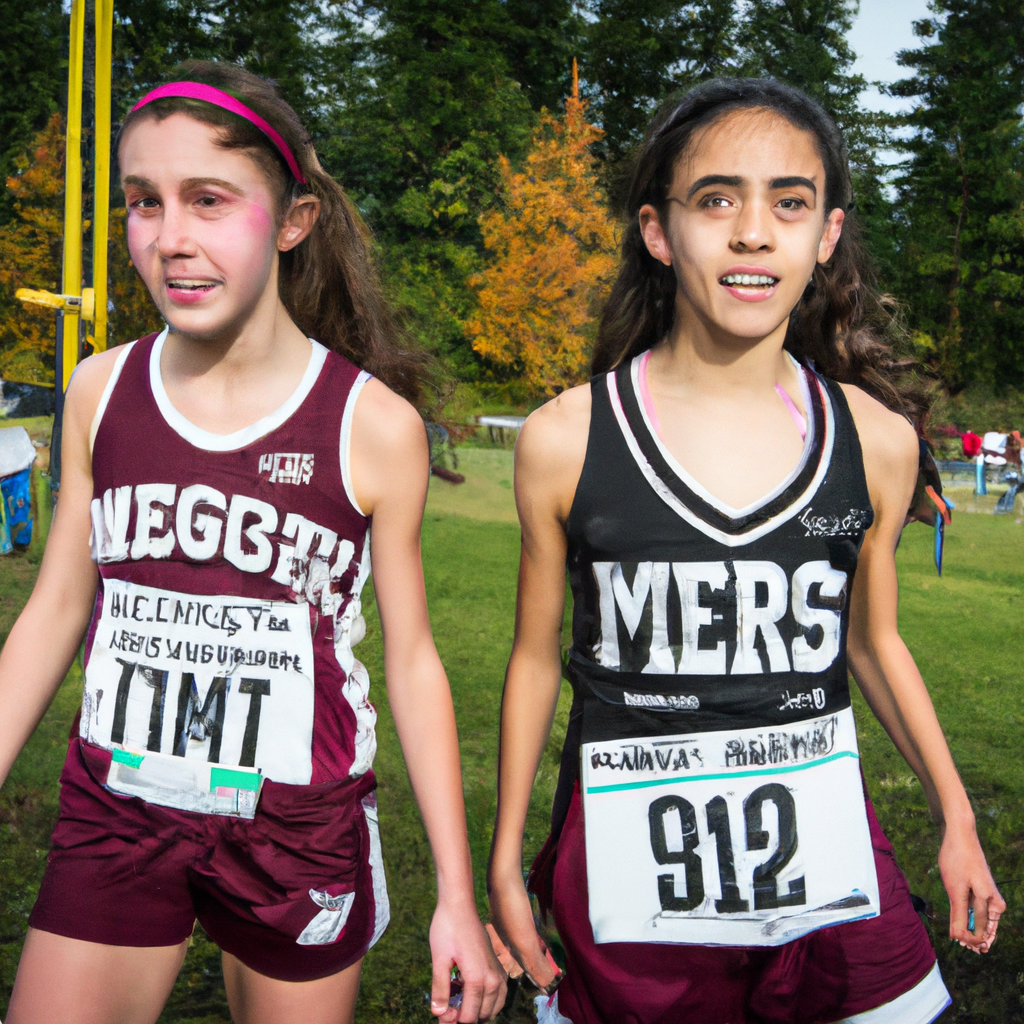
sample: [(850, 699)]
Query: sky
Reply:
[(882, 28)]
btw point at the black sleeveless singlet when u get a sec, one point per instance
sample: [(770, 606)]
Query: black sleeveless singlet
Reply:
[(690, 616)]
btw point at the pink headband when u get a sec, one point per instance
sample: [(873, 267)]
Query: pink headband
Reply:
[(219, 98)]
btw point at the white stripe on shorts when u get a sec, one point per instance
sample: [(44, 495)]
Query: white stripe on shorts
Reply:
[(921, 1005), (382, 905), (547, 1010)]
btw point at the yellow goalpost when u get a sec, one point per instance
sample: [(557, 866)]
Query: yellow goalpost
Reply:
[(77, 303)]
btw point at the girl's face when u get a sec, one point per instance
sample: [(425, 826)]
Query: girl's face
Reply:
[(745, 225), (202, 226)]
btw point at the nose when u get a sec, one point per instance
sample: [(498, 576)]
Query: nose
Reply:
[(754, 228), (174, 238)]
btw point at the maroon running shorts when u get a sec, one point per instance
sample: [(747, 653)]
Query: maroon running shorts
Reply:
[(829, 975), (269, 890)]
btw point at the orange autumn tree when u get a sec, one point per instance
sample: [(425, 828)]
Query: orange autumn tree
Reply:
[(554, 252), (31, 251), (30, 257)]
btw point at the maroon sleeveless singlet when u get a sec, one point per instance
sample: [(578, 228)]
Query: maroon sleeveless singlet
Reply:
[(231, 568), (222, 764)]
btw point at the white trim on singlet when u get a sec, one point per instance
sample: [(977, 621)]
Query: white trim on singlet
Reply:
[(345, 440), (107, 392), (921, 1005), (204, 439), (693, 484), (669, 497)]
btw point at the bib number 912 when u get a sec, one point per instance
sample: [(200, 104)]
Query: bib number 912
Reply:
[(764, 882)]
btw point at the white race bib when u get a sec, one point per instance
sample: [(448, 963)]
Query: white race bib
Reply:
[(751, 837), (198, 697)]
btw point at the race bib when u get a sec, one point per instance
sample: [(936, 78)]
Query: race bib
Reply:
[(745, 838), (199, 698)]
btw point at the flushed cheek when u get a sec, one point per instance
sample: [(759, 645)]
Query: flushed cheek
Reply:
[(243, 245), (142, 234)]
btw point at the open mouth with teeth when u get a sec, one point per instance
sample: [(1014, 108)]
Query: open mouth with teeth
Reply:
[(758, 281), (189, 290), (190, 286)]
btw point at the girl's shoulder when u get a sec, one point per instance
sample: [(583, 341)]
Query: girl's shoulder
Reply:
[(551, 450), (890, 449), (384, 422), (559, 425), (882, 432), (89, 381)]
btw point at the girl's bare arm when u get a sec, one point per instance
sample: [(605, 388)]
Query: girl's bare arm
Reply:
[(549, 458), (390, 467), (46, 637), (889, 678)]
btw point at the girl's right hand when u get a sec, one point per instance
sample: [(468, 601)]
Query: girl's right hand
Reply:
[(512, 914), (971, 888)]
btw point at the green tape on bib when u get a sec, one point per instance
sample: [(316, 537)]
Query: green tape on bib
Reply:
[(234, 780), (781, 770), (126, 757)]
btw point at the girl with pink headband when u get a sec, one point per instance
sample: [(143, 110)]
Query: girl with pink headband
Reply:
[(211, 545)]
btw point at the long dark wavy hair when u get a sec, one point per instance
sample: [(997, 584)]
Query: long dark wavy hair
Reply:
[(842, 325), (328, 282)]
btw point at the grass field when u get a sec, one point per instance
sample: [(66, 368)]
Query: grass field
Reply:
[(963, 629)]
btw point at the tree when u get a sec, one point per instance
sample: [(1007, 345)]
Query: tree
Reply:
[(638, 52), (415, 139), (960, 196), (554, 247), (30, 256), (33, 70)]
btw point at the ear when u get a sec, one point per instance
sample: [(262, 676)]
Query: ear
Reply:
[(654, 235), (830, 235), (298, 222)]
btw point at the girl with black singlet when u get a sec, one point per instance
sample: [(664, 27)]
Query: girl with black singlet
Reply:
[(727, 495)]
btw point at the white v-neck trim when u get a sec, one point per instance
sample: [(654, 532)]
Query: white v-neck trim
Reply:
[(211, 442), (667, 495), (695, 485)]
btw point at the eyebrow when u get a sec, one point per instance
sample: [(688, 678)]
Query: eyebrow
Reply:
[(186, 185), (134, 179), (793, 182), (714, 179), (737, 182)]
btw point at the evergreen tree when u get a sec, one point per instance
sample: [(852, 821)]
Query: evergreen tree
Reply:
[(540, 41), (638, 52), (416, 141), (961, 192)]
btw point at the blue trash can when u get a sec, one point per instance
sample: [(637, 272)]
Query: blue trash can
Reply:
[(17, 495), (17, 453)]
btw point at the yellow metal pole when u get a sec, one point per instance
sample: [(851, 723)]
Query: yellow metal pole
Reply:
[(101, 180), (72, 277)]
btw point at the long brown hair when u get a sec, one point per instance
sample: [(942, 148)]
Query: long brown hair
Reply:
[(842, 325), (328, 282)]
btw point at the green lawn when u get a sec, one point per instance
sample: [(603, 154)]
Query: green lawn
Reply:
[(963, 629)]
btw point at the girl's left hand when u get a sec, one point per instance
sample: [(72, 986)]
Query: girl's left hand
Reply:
[(971, 887), (457, 938)]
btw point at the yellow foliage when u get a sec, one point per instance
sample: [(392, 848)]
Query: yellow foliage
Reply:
[(31, 251), (554, 246), (30, 256)]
